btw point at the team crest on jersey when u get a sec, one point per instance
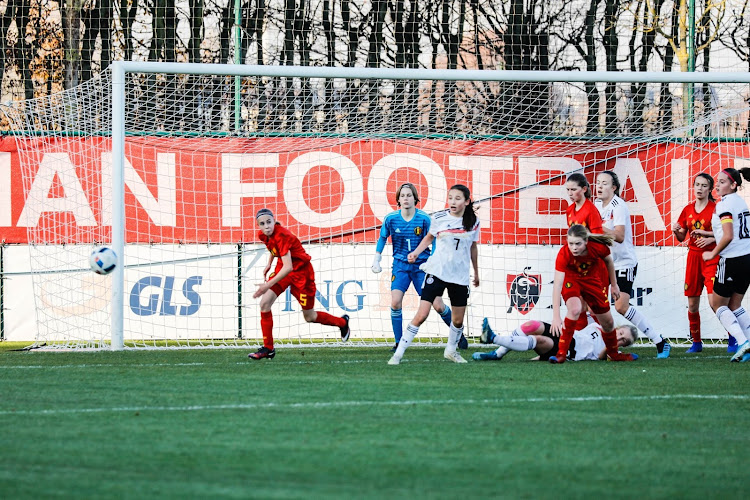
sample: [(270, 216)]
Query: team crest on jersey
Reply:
[(524, 290), (418, 231)]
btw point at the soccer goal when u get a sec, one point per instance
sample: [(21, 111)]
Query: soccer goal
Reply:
[(168, 164)]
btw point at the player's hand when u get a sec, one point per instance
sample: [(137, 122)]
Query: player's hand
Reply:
[(615, 290), (708, 256), (412, 258), (556, 326), (704, 242), (262, 288), (265, 272), (476, 280), (376, 264), (676, 227)]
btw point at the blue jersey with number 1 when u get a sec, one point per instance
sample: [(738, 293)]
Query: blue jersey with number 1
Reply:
[(405, 235)]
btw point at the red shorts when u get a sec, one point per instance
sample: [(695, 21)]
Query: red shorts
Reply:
[(302, 285), (699, 273), (591, 289)]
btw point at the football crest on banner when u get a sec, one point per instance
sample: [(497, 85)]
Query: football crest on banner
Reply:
[(524, 290)]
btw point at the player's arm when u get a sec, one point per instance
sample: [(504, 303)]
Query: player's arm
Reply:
[(680, 232), (618, 233), (286, 268), (556, 299), (602, 355), (614, 289), (426, 242), (475, 262), (268, 266), (382, 240), (727, 225)]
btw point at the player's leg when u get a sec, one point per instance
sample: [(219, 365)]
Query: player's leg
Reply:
[(418, 278), (694, 321), (459, 295), (303, 289), (709, 278), (524, 337), (266, 324), (574, 305), (400, 280), (609, 335), (694, 280), (625, 279), (411, 331), (729, 288)]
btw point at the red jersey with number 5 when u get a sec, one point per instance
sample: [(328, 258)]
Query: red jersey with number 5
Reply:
[(282, 242)]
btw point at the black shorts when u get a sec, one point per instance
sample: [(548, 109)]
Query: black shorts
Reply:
[(434, 287), (625, 279), (732, 276), (556, 340)]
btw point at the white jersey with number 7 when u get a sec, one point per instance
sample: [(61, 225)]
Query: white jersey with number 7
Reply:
[(451, 259)]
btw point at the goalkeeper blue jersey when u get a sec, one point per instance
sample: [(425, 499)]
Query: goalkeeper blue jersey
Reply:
[(405, 235)]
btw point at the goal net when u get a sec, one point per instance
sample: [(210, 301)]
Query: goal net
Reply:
[(170, 163)]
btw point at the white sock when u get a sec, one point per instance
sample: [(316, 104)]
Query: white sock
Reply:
[(729, 322), (406, 338), (453, 335), (501, 351), (644, 325), (743, 319), (516, 342)]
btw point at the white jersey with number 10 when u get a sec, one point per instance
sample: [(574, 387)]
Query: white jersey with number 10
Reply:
[(451, 259)]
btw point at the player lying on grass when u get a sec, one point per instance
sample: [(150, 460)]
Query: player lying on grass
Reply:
[(293, 270), (587, 344)]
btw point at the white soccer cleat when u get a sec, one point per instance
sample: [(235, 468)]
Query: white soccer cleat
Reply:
[(453, 356), (395, 360), (741, 351)]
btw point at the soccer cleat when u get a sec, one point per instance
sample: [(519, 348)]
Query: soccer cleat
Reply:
[(453, 356), (486, 356), (732, 345), (463, 342), (623, 357), (664, 354), (741, 351), (487, 333), (263, 352), (696, 347), (555, 361), (345, 331), (745, 358), (394, 360)]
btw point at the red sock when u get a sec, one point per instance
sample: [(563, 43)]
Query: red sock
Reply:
[(563, 345), (328, 319), (695, 326), (613, 352), (266, 326), (583, 321)]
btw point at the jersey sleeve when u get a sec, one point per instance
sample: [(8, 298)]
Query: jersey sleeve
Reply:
[(475, 237), (598, 250), (682, 219), (561, 262), (284, 244), (621, 215), (383, 238)]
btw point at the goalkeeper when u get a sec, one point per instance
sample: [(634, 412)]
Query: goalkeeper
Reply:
[(587, 343), (407, 226)]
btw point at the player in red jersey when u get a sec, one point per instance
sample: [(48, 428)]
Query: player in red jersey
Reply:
[(582, 210), (293, 269), (580, 276), (694, 223)]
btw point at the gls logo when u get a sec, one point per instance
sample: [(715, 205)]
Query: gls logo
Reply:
[(151, 307)]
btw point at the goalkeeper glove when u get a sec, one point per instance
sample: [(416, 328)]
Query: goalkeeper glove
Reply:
[(376, 263)]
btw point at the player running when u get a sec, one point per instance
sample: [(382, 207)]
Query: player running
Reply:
[(731, 225), (293, 270), (587, 344), (583, 269), (406, 227), (456, 231), (694, 223), (615, 218)]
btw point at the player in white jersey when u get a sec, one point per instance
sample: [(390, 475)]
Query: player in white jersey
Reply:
[(731, 226), (587, 343), (616, 223), (456, 232)]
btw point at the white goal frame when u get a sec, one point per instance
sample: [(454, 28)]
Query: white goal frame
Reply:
[(121, 68)]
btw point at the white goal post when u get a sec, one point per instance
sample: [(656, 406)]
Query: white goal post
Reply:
[(324, 147)]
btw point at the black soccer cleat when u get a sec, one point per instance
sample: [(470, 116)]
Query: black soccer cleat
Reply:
[(345, 331), (463, 342), (263, 352)]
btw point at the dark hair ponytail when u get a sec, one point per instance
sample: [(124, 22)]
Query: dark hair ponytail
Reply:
[(581, 231), (710, 181), (581, 180), (615, 180), (737, 175), (470, 217)]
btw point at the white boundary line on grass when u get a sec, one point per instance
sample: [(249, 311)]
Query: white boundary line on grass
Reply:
[(343, 404)]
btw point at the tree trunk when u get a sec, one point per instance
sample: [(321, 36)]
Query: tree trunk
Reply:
[(71, 22)]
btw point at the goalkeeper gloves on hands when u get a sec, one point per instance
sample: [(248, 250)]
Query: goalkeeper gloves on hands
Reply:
[(376, 263)]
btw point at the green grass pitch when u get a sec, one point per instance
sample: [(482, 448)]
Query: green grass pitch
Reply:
[(341, 423)]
